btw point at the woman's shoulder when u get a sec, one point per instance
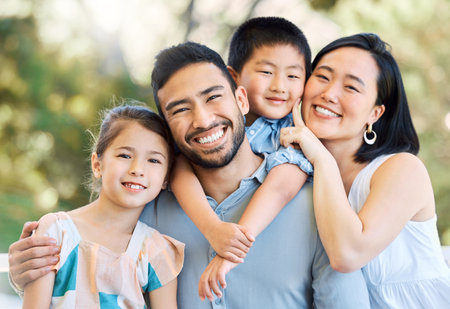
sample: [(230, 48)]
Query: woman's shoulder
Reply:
[(403, 162)]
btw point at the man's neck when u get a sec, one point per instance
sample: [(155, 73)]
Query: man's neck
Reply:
[(219, 183)]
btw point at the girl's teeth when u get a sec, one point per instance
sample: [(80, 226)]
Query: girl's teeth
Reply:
[(133, 186), (326, 111), (211, 138)]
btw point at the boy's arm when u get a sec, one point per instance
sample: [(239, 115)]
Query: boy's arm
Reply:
[(228, 239), (281, 184)]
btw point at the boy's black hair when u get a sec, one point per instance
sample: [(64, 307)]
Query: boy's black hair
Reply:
[(395, 130), (174, 58), (266, 31)]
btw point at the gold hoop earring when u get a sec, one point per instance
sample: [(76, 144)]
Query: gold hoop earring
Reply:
[(370, 141)]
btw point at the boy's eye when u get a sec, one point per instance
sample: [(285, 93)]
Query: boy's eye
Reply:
[(156, 161), (294, 76), (265, 72)]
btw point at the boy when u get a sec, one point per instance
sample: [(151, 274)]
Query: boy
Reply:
[(271, 58)]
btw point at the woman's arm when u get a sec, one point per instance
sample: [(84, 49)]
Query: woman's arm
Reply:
[(165, 297), (229, 240), (400, 190)]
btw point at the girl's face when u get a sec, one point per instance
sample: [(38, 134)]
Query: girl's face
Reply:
[(133, 168), (340, 95)]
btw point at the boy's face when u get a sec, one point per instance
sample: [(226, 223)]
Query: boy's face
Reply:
[(274, 77)]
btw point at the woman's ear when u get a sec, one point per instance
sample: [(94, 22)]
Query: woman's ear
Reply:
[(233, 74), (242, 100), (96, 165), (377, 112)]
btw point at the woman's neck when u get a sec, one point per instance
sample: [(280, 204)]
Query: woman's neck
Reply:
[(344, 154)]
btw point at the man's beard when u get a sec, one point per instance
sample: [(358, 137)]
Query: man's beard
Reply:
[(218, 162)]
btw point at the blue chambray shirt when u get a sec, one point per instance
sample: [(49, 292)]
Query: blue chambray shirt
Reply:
[(286, 268), (264, 137)]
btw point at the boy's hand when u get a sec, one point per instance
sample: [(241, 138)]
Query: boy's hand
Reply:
[(214, 275), (31, 257), (231, 241)]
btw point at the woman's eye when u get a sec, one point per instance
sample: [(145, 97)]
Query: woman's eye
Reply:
[(352, 88), (320, 76)]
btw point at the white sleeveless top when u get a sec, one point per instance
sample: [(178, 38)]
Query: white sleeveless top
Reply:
[(411, 272)]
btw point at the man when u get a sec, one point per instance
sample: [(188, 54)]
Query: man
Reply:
[(287, 266)]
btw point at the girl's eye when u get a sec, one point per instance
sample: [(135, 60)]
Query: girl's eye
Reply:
[(123, 155), (154, 161), (293, 76)]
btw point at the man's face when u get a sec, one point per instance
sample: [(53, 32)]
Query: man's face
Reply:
[(204, 115)]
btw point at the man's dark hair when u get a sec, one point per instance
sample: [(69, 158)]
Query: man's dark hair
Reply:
[(174, 58), (266, 31)]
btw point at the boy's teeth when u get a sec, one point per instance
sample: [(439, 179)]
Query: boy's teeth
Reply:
[(211, 138), (326, 111), (133, 186)]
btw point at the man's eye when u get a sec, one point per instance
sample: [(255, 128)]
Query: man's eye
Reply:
[(215, 96), (179, 110)]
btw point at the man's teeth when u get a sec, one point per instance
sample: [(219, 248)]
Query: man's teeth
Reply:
[(133, 186), (326, 111), (211, 138)]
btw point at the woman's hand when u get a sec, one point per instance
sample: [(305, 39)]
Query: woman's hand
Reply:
[(214, 275), (300, 135), (31, 257)]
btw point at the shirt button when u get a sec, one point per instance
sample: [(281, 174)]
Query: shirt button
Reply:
[(213, 254), (252, 132), (218, 301)]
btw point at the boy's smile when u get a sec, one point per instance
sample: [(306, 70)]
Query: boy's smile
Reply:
[(274, 77)]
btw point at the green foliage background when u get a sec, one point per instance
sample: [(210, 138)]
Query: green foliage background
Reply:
[(48, 99)]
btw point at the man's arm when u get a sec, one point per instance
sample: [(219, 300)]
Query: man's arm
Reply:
[(31, 257)]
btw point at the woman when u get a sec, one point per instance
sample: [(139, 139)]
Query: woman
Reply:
[(373, 199)]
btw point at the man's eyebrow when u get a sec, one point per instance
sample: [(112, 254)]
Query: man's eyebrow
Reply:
[(210, 89), (351, 76), (172, 104)]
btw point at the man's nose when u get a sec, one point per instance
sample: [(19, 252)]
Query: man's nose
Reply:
[(203, 117)]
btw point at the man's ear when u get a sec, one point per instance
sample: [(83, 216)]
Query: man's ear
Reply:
[(96, 165), (234, 74), (242, 100)]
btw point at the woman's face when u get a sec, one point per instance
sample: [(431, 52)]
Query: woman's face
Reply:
[(340, 95)]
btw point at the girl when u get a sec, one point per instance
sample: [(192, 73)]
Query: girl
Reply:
[(108, 258), (373, 199)]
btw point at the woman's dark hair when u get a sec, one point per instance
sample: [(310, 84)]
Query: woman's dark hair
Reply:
[(395, 130), (114, 121)]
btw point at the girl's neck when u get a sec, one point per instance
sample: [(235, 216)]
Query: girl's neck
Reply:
[(108, 225)]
